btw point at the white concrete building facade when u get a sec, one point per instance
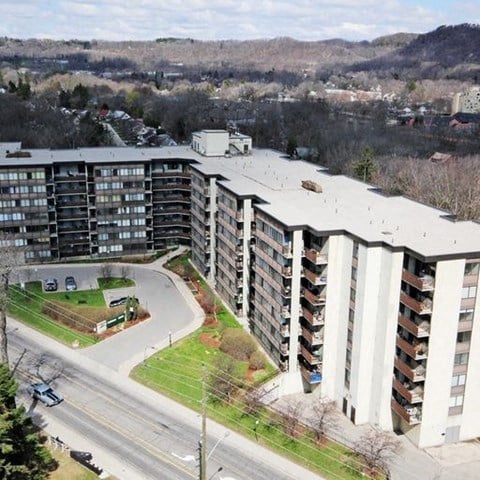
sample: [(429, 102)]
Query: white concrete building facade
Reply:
[(366, 299)]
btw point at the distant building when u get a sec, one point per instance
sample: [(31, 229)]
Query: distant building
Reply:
[(468, 102)]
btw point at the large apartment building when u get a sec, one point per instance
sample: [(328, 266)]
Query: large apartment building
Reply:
[(366, 299), (363, 298), (93, 202)]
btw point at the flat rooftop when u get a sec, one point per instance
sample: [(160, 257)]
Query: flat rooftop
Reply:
[(344, 205)]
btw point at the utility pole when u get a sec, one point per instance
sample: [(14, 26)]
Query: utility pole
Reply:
[(203, 441)]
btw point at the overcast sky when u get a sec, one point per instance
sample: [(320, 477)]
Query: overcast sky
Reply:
[(229, 19)]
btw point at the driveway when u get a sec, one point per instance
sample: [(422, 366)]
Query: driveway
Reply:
[(174, 313)]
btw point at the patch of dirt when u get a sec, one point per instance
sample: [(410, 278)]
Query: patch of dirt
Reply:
[(210, 321), (208, 340)]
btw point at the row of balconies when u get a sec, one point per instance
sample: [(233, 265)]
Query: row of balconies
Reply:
[(415, 349), (421, 282), (315, 299), (412, 370), (418, 327), (313, 358), (422, 306), (410, 392), (410, 413), (315, 256), (313, 338), (311, 376)]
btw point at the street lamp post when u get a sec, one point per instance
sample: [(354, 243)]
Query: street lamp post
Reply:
[(145, 352), (225, 435), (255, 429)]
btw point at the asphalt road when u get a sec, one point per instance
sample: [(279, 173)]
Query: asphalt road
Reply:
[(151, 435)]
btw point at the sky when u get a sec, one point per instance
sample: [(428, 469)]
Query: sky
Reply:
[(228, 19)]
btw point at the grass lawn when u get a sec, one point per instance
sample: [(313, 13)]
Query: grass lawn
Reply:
[(26, 305), (114, 282), (177, 373), (69, 469)]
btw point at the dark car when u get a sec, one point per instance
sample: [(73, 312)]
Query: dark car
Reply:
[(120, 301), (44, 393), (50, 285), (70, 284)]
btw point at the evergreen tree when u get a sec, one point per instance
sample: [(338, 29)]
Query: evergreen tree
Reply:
[(365, 168), (22, 455)]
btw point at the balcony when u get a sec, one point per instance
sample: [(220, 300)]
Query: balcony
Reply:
[(314, 278), (465, 325), (284, 348), (411, 414), (285, 312), (311, 358), (313, 319), (315, 299), (313, 338), (316, 257), (286, 291), (287, 271), (422, 282), (417, 351), (422, 307), (309, 376), (420, 330), (285, 330), (414, 373), (287, 251), (411, 393)]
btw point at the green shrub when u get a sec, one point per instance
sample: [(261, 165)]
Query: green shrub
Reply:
[(238, 344), (257, 360)]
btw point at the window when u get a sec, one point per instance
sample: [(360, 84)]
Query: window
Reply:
[(458, 380), (472, 269), (464, 337), (469, 292), (355, 250), (456, 401), (461, 359), (352, 294), (466, 315), (354, 273)]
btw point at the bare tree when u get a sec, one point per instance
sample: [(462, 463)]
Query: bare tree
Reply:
[(10, 259), (125, 272), (376, 448), (324, 416), (223, 381), (253, 401), (106, 270), (291, 416)]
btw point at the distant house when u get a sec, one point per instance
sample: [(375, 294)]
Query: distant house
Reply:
[(442, 158)]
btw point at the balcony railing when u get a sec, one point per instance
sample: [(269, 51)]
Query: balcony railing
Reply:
[(422, 307), (421, 282), (285, 330), (419, 330), (411, 414), (285, 312), (411, 393), (284, 348), (312, 377), (315, 256), (313, 338), (287, 271), (315, 299), (416, 351), (415, 374), (313, 319), (311, 358), (314, 278)]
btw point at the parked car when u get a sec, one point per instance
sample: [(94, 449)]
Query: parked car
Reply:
[(70, 284), (120, 301), (44, 393), (50, 285)]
